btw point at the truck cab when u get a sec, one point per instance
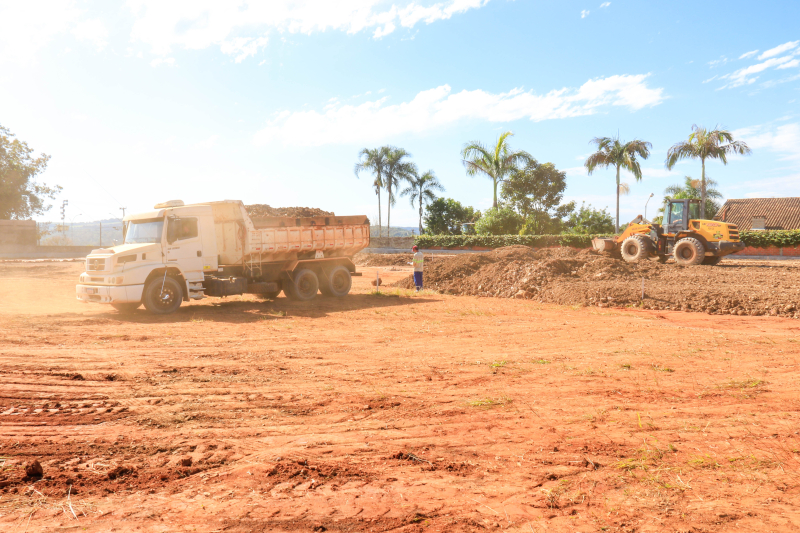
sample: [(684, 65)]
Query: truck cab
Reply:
[(174, 242)]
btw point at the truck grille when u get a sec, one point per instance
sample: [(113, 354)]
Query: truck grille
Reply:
[(95, 263)]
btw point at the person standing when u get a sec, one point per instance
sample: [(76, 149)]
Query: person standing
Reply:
[(417, 262)]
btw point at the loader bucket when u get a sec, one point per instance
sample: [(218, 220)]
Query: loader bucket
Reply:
[(603, 245)]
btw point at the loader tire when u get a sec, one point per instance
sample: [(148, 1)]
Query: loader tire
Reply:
[(162, 296), (689, 252), (636, 248), (305, 286), (712, 260), (337, 282)]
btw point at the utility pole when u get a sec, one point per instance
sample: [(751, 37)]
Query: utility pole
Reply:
[(101, 233), (123, 211), (63, 215)]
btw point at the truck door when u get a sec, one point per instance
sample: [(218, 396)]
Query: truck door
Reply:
[(676, 217), (185, 247)]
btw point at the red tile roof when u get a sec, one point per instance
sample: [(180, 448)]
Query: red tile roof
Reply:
[(781, 213)]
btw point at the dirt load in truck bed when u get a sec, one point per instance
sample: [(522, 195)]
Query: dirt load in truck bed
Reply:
[(263, 210), (583, 277)]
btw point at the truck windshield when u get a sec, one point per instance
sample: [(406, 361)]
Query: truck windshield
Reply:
[(144, 231), (694, 211)]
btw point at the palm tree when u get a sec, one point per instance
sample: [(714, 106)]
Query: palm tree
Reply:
[(374, 160), (495, 163), (421, 190), (703, 144), (613, 153), (692, 189), (397, 169)]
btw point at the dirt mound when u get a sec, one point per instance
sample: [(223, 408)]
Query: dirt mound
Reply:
[(263, 210), (372, 260), (583, 277)]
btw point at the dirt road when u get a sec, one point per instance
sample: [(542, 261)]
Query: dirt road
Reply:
[(401, 412)]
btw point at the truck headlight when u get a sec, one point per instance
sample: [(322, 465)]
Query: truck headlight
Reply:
[(116, 281)]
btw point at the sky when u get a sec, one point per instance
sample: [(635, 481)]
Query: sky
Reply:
[(143, 101)]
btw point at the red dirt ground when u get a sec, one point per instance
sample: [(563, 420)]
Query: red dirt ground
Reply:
[(392, 412)]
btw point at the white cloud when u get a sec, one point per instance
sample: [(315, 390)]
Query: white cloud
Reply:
[(784, 139), (605, 4), (208, 143), (92, 31), (658, 173), (772, 52), (748, 54), (584, 12), (157, 62), (239, 28), (376, 121), (789, 64), (744, 76), (27, 27), (718, 62)]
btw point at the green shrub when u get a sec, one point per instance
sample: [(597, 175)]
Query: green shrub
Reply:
[(498, 241), (766, 239)]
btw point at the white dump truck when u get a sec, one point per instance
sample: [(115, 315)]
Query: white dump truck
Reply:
[(183, 252)]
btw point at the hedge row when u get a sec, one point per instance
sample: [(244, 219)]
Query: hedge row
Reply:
[(498, 241), (757, 239)]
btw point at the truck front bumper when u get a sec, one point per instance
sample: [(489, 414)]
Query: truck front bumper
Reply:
[(104, 294)]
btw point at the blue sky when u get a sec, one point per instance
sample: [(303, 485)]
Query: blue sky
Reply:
[(147, 100)]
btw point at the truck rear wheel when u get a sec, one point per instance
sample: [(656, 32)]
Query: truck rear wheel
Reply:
[(128, 307), (636, 248), (162, 301), (305, 286), (337, 282), (689, 252)]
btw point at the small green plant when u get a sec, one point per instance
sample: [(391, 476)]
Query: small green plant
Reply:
[(703, 461), (542, 362), (626, 366), (659, 368), (488, 403)]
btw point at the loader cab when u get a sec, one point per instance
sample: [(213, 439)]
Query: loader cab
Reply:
[(679, 213)]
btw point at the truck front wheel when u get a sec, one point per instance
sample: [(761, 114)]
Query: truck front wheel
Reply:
[(337, 283), (162, 301), (305, 286)]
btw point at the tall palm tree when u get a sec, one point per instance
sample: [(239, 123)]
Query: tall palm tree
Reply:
[(613, 153), (496, 163), (421, 189), (692, 189), (398, 169), (703, 144), (374, 160)]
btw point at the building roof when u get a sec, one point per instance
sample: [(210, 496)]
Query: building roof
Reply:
[(780, 213)]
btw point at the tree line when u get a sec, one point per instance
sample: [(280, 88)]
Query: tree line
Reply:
[(527, 195)]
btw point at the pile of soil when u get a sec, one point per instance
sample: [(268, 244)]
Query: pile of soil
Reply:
[(263, 210), (375, 260), (583, 277)]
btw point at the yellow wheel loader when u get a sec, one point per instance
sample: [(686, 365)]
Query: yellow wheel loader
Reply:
[(683, 235)]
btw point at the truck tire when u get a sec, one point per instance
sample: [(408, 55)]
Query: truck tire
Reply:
[(712, 260), (337, 282), (162, 302), (689, 252), (305, 286), (636, 248), (128, 307)]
